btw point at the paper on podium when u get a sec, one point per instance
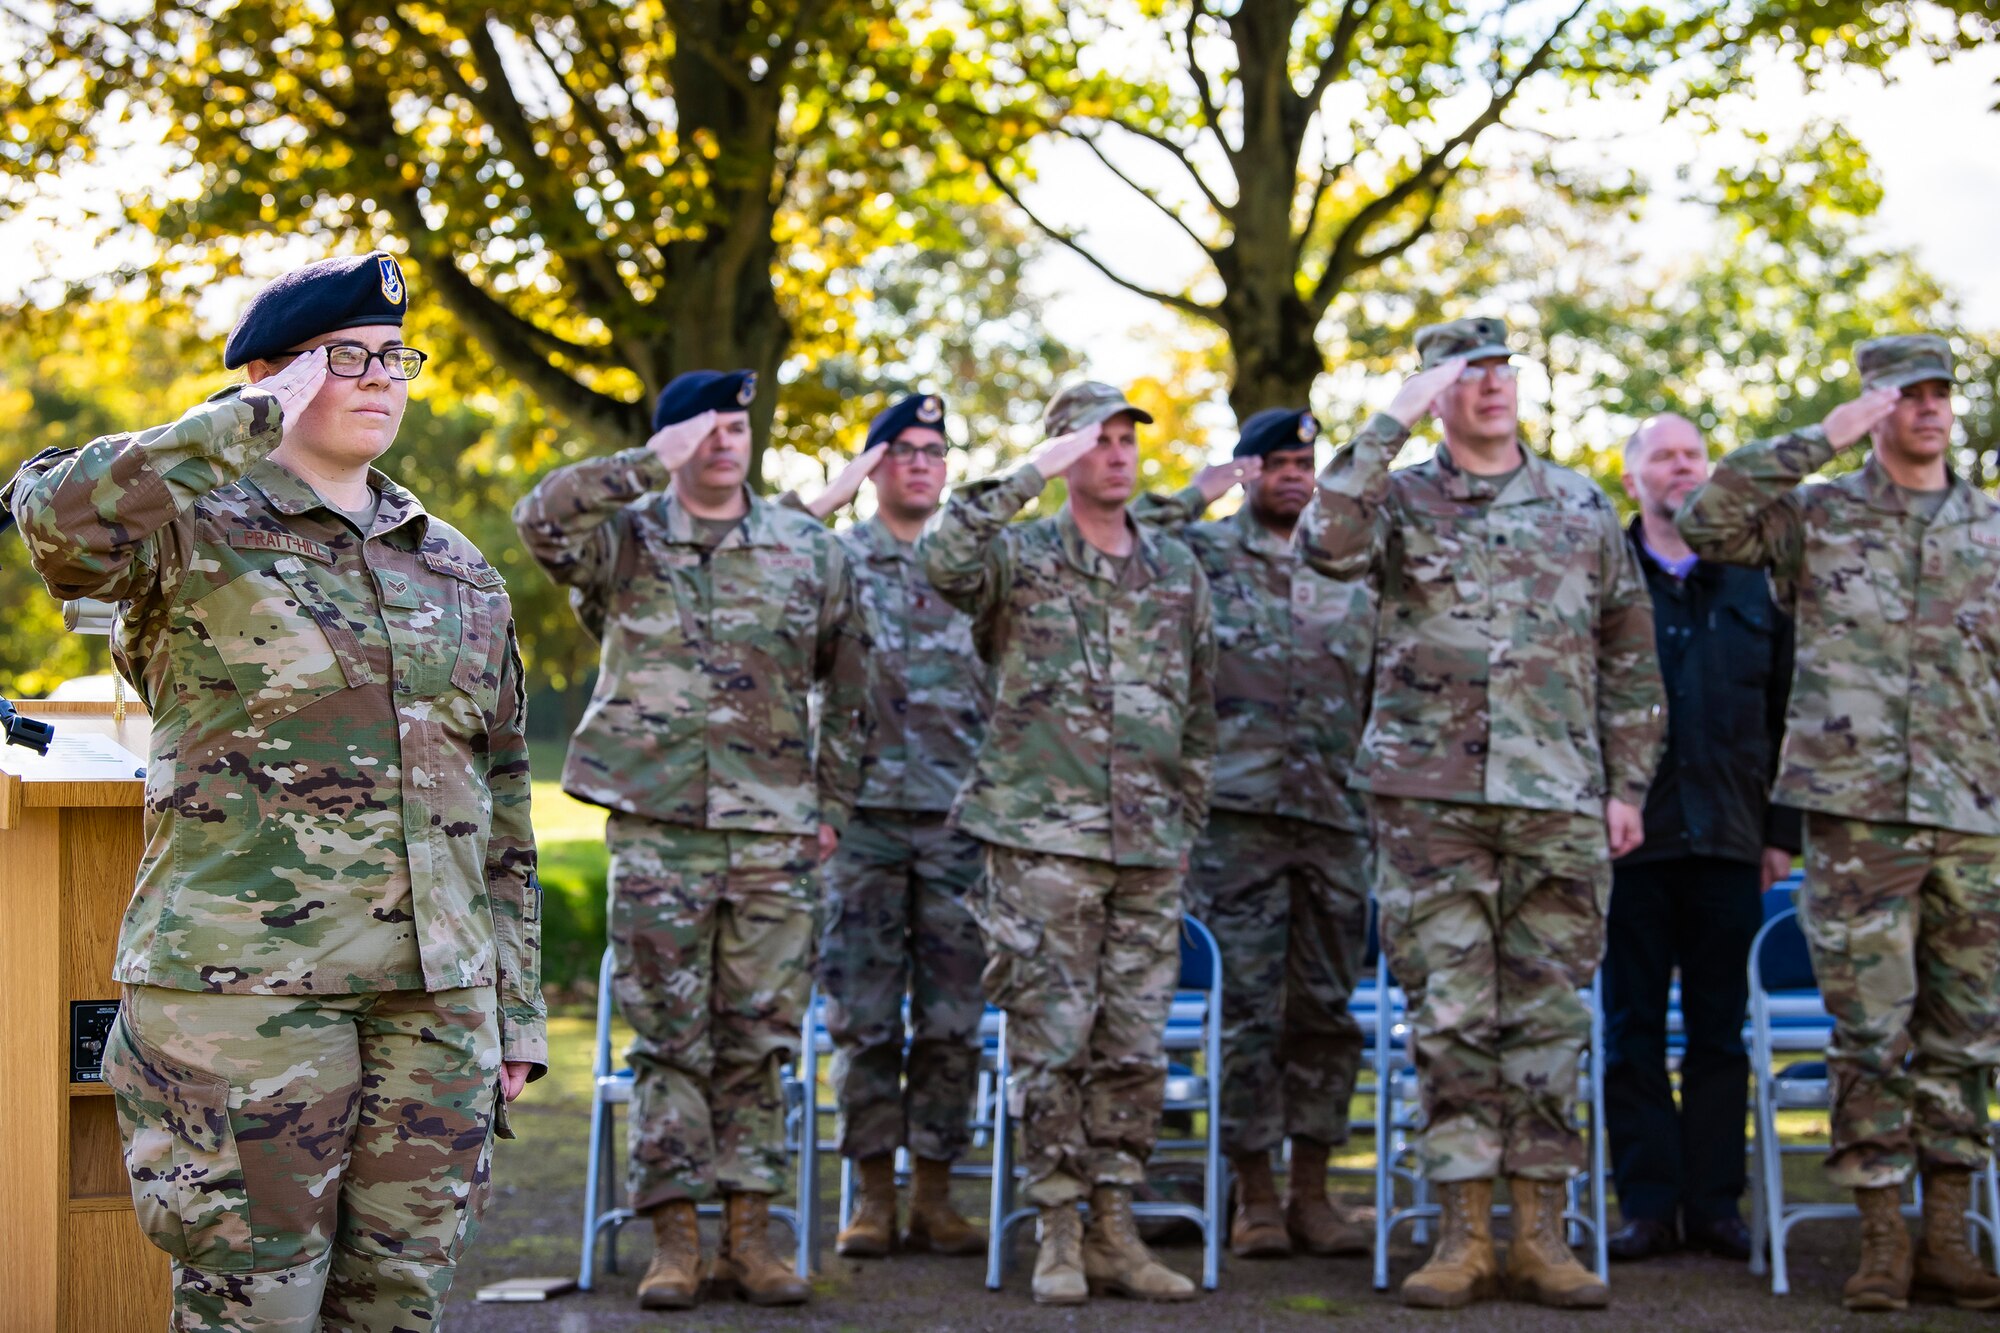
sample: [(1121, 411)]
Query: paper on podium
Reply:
[(87, 756)]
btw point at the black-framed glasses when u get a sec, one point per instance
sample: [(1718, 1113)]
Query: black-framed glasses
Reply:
[(350, 361), (937, 453)]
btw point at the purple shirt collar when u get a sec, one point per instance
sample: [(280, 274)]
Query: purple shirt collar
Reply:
[(1680, 568)]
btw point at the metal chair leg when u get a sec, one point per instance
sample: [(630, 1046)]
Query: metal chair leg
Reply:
[(1000, 1199)]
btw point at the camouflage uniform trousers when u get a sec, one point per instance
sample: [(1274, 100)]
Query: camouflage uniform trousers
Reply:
[(1492, 918), (898, 924), (309, 1162), (1287, 902), (1903, 924), (1083, 956), (712, 935)]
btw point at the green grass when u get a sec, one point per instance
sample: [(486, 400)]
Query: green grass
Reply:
[(573, 906), (570, 838)]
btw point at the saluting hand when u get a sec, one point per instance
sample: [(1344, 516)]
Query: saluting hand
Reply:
[(294, 385), (1058, 455), (1419, 394), (675, 444), (846, 483), (1850, 423), (1215, 480)]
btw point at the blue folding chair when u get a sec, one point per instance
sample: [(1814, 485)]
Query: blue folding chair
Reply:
[(1398, 1117), (1789, 1020), (820, 1044), (611, 1087), (1194, 1025)]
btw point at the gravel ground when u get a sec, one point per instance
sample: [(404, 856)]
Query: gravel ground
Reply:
[(532, 1228)]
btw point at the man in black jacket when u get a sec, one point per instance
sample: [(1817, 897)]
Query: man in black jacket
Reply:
[(1691, 895)]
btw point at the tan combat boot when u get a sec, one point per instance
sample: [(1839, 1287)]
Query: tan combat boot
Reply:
[(1256, 1225), (1946, 1265), (873, 1223), (935, 1226), (1462, 1267), (747, 1263), (1881, 1280), (1059, 1263), (673, 1279), (1316, 1222), (1540, 1264), (1115, 1260)]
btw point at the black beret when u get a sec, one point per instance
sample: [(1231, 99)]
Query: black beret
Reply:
[(696, 391), (333, 294), (1276, 428), (917, 409)]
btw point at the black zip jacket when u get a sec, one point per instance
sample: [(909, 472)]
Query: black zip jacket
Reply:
[(1726, 656)]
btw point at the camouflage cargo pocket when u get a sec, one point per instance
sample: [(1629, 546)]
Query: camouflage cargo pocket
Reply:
[(180, 1153), (1013, 942)]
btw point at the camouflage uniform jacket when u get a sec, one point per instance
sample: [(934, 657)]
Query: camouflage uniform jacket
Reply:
[(337, 793), (1515, 663), (1895, 705), (929, 694), (702, 715), (1293, 652), (1103, 729)]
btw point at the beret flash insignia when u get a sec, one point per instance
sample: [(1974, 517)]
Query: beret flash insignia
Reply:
[(1308, 428), (392, 280), (931, 410), (748, 391)]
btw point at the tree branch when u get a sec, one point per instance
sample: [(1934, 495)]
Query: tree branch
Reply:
[(1198, 11), (497, 329), (1423, 227), (1180, 156), (1352, 13), (1070, 240), (580, 96), (1329, 172), (590, 263), (1432, 173), (1150, 196)]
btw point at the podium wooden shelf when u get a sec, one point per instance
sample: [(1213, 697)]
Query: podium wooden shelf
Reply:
[(72, 1257)]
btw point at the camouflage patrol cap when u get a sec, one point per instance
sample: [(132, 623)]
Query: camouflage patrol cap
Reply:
[(1086, 404), (1908, 358), (1479, 336)]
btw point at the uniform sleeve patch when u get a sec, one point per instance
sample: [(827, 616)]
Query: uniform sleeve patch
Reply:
[(256, 539), (479, 576)]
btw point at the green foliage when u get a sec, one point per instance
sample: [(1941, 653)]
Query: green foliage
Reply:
[(1756, 337), (600, 195), (573, 907), (1304, 147)]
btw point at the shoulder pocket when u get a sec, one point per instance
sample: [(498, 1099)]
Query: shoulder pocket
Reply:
[(483, 611)]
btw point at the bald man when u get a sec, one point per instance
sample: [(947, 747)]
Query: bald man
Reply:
[(1690, 895)]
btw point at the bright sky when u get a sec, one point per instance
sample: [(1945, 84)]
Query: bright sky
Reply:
[(1933, 138)]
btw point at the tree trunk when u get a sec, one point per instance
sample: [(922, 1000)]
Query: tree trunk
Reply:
[(1270, 331)]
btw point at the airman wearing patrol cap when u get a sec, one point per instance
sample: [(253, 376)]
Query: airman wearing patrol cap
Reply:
[(898, 929), (1892, 747), (1281, 872), (720, 614), (1515, 726), (1088, 790), (332, 958)]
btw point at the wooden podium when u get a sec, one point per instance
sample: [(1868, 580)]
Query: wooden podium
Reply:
[(72, 1257)]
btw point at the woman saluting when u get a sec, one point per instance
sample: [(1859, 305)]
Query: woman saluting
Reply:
[(331, 960)]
